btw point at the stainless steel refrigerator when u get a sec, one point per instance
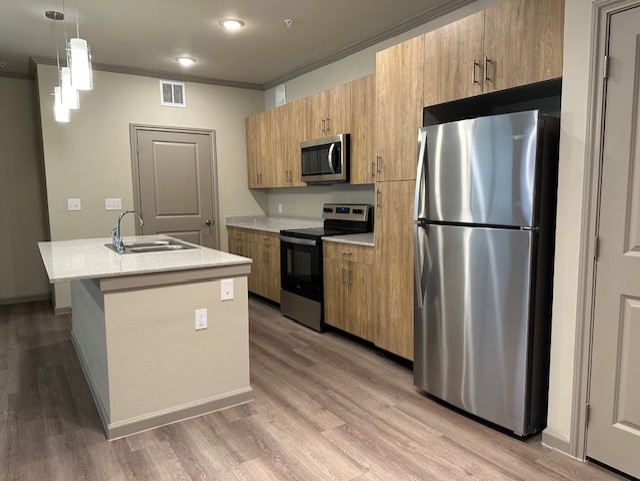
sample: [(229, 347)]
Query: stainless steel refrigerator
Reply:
[(484, 221)]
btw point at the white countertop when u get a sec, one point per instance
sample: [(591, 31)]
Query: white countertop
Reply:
[(272, 224), (90, 258), (366, 239)]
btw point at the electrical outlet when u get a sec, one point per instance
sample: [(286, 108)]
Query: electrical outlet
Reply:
[(113, 204), (201, 319), (279, 208), (74, 204), (226, 289)]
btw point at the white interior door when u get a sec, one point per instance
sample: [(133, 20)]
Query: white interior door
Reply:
[(176, 188), (613, 435)]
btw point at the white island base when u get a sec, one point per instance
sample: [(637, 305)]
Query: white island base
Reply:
[(145, 363)]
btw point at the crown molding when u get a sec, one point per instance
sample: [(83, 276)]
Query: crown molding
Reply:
[(409, 24), (157, 74)]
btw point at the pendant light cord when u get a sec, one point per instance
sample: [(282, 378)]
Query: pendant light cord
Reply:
[(64, 19), (77, 22), (57, 47)]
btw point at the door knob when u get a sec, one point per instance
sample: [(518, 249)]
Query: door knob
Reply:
[(207, 222)]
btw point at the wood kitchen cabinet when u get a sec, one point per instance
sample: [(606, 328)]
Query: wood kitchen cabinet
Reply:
[(511, 44), (287, 134), (264, 249), (327, 113), (363, 130), (399, 104), (394, 266), (260, 150), (349, 289), (523, 42)]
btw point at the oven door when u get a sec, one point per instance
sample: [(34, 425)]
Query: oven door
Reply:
[(301, 267)]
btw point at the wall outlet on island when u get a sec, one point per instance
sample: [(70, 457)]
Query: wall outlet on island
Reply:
[(201, 319), (74, 204), (226, 289), (279, 208)]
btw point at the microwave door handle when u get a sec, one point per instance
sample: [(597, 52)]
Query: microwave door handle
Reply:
[(330, 157)]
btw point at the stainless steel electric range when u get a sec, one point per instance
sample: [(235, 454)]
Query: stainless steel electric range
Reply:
[(302, 288)]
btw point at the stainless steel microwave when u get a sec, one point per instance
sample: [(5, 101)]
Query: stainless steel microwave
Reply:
[(325, 160)]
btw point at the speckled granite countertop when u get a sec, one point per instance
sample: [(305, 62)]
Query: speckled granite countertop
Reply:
[(359, 239), (272, 224), (91, 258)]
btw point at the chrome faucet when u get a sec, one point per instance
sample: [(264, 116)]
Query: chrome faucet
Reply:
[(115, 232)]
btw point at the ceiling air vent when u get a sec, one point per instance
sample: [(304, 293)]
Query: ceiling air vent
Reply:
[(172, 94)]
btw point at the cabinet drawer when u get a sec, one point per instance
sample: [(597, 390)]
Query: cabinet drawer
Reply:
[(271, 239), (238, 233), (349, 252)]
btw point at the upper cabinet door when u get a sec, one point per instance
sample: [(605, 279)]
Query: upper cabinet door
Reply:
[(363, 130), (335, 106), (453, 60), (522, 43), (399, 104)]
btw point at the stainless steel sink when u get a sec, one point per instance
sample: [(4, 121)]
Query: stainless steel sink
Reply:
[(168, 245)]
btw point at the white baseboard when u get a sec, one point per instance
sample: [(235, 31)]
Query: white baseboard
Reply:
[(554, 441)]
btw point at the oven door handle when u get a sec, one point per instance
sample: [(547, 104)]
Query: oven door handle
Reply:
[(298, 241)]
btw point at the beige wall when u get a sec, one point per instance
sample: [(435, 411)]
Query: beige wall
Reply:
[(308, 201), (90, 158), (22, 198), (570, 213)]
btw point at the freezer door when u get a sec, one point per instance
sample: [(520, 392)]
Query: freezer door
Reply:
[(471, 328), (483, 171)]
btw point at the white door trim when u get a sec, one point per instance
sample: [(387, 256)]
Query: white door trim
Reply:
[(601, 16), (137, 201)]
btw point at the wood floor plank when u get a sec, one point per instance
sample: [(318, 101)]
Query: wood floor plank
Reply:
[(324, 408)]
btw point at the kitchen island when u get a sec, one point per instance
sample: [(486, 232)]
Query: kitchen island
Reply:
[(134, 329)]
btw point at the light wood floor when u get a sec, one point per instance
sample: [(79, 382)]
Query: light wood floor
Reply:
[(324, 409)]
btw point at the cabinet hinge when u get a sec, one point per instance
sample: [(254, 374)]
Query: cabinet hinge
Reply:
[(588, 414), (606, 67), (596, 250)]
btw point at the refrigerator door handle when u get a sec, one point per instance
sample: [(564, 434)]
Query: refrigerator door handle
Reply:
[(419, 205), (421, 258)]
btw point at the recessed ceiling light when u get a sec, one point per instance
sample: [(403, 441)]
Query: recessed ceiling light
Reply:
[(186, 61), (232, 24)]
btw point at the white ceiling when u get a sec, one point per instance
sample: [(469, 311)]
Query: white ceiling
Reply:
[(149, 34)]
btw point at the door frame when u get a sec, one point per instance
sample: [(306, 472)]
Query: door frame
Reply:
[(602, 10), (137, 199)]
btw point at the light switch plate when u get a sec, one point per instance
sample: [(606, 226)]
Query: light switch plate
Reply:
[(113, 204), (74, 204), (226, 289), (201, 319), (279, 208)]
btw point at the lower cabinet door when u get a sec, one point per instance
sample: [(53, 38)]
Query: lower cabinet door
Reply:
[(335, 292), (360, 316)]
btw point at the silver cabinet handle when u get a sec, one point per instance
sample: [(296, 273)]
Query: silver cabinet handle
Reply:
[(327, 126), (344, 281), (378, 199), (346, 253), (373, 169), (378, 158), (473, 71), (486, 69), (207, 222), (322, 127)]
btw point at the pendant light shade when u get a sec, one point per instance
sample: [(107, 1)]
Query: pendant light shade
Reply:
[(70, 96), (60, 112), (79, 61)]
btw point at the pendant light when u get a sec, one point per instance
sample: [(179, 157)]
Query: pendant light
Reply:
[(70, 95), (79, 60), (60, 112)]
